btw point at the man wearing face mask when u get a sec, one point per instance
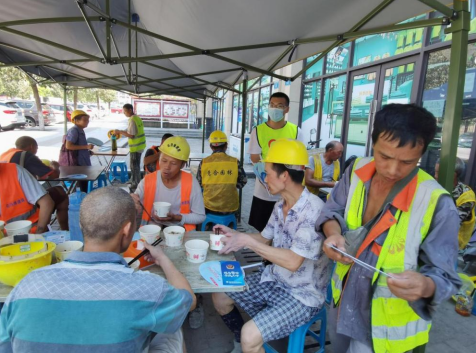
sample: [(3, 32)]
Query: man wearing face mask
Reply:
[(261, 138)]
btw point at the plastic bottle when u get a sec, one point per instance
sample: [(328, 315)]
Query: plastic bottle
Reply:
[(114, 142), (73, 214), (464, 304)]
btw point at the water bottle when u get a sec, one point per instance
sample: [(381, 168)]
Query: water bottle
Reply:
[(114, 142), (73, 214)]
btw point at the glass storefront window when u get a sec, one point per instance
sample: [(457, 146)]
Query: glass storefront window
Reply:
[(380, 46), (265, 80), (338, 58), (437, 33), (251, 82), (310, 109), (315, 70), (236, 123), (263, 104), (332, 109), (434, 99)]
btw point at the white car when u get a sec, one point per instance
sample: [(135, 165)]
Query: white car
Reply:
[(11, 116)]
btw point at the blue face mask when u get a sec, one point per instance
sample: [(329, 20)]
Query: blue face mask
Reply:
[(275, 114)]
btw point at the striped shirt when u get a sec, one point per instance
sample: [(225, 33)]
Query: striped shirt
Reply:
[(91, 303)]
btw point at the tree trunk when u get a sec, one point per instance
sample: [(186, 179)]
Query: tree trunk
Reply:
[(34, 88), (75, 97)]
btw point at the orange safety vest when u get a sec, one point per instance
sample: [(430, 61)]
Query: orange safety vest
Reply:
[(14, 204), (8, 155), (147, 171), (150, 188)]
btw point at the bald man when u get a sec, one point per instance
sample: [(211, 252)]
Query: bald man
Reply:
[(24, 154), (323, 170)]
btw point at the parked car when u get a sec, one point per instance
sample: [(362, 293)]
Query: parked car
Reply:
[(11, 116), (91, 112), (58, 110), (116, 109), (466, 140), (31, 113)]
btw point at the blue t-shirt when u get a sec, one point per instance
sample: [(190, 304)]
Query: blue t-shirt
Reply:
[(77, 136)]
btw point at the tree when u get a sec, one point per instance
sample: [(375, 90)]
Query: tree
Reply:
[(108, 96), (14, 83), (34, 88)]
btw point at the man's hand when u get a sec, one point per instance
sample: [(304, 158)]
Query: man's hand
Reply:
[(170, 218), (136, 199), (156, 254), (339, 242), (233, 242), (54, 165), (411, 285), (223, 229), (117, 132)]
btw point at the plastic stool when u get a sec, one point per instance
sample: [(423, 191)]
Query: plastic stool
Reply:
[(224, 219), (297, 338), (118, 171), (100, 182)]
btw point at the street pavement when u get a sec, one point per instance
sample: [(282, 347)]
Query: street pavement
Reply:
[(451, 333)]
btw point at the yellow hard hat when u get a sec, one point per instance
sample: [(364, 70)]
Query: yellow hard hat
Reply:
[(287, 151), (46, 162), (19, 259), (77, 113), (218, 138), (111, 132), (176, 147)]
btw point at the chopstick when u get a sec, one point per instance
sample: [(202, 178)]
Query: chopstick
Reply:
[(148, 214), (144, 252)]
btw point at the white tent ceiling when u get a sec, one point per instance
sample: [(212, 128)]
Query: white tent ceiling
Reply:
[(198, 24)]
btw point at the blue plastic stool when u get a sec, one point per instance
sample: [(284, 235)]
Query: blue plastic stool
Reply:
[(100, 182), (225, 219), (118, 171), (297, 338)]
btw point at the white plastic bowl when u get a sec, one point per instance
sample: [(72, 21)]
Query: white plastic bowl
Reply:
[(65, 249), (149, 233), (18, 227), (174, 236), (162, 208), (196, 250)]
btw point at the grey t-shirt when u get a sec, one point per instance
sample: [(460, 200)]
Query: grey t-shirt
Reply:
[(173, 196), (327, 170), (31, 188)]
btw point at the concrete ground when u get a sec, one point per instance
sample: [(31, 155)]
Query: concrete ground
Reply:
[(450, 332)]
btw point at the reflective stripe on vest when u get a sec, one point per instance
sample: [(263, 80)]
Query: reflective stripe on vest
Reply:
[(14, 205), (467, 227), (395, 326), (147, 171), (8, 155), (267, 135), (318, 172), (138, 142), (219, 178), (150, 188)]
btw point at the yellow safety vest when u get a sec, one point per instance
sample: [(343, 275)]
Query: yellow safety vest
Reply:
[(318, 172), (467, 227), (267, 135), (219, 178), (138, 142), (395, 326)]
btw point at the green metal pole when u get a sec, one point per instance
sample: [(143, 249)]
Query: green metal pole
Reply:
[(454, 100), (204, 123), (130, 42), (108, 33), (243, 131), (65, 105)]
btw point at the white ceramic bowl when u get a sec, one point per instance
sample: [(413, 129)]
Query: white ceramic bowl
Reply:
[(196, 250), (215, 242), (135, 265), (65, 249), (174, 235), (161, 208), (149, 233), (18, 227)]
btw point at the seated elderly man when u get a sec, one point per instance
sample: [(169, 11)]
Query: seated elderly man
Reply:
[(173, 185), (23, 198), (290, 291), (93, 302), (24, 154)]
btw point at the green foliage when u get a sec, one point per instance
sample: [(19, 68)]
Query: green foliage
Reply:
[(14, 83)]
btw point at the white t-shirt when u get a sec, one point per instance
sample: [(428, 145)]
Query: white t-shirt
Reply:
[(254, 148)]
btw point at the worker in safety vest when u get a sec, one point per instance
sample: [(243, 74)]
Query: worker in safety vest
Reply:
[(465, 201), (23, 198), (391, 215), (323, 170), (24, 154), (220, 175), (152, 155), (173, 185), (136, 135), (261, 138)]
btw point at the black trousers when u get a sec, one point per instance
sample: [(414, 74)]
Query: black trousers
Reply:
[(260, 212)]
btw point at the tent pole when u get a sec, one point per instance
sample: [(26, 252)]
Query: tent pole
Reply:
[(108, 33), (129, 40), (243, 130), (454, 100), (204, 122), (93, 32), (65, 106)]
